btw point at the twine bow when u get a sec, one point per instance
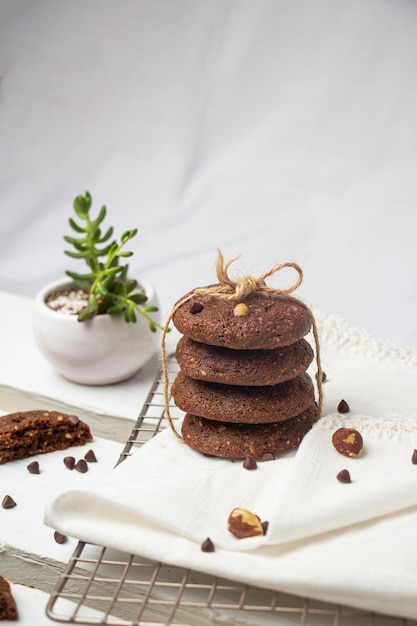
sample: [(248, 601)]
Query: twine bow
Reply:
[(236, 290)]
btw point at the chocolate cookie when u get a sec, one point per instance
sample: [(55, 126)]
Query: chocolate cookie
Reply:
[(243, 367), (253, 323), (8, 609), (244, 404), (27, 433), (237, 441)]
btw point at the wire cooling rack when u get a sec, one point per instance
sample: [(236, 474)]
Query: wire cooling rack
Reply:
[(102, 586)]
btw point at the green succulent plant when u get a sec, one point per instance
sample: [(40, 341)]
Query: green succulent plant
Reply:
[(106, 282)]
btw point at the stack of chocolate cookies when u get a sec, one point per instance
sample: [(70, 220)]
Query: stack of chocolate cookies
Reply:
[(242, 382)]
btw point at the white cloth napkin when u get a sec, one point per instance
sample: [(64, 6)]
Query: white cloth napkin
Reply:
[(350, 543)]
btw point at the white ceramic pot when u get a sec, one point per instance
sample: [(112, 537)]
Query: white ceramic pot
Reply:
[(100, 351)]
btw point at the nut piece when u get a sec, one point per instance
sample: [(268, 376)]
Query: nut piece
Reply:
[(240, 310), (347, 441), (243, 523)]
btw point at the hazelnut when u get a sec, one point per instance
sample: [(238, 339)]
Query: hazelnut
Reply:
[(347, 441), (240, 309), (243, 523)]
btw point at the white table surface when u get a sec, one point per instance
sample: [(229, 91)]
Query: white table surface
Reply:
[(280, 130)]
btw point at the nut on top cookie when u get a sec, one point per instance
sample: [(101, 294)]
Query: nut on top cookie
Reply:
[(252, 322)]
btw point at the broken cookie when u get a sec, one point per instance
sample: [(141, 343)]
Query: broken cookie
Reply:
[(27, 433)]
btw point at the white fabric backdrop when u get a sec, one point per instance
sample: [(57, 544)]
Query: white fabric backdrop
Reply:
[(282, 130)]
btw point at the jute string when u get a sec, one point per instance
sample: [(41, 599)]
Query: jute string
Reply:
[(236, 290)]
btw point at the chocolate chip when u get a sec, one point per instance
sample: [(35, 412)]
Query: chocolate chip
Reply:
[(90, 456), (8, 502), (268, 456), (33, 467), (265, 526), (344, 476), (323, 376), (196, 307), (73, 419), (343, 407), (207, 545), (81, 466), (250, 463), (60, 538), (414, 458), (69, 462)]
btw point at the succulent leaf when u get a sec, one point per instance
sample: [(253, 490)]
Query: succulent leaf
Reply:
[(139, 297), (82, 205), (75, 255), (75, 226), (100, 217), (106, 236)]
